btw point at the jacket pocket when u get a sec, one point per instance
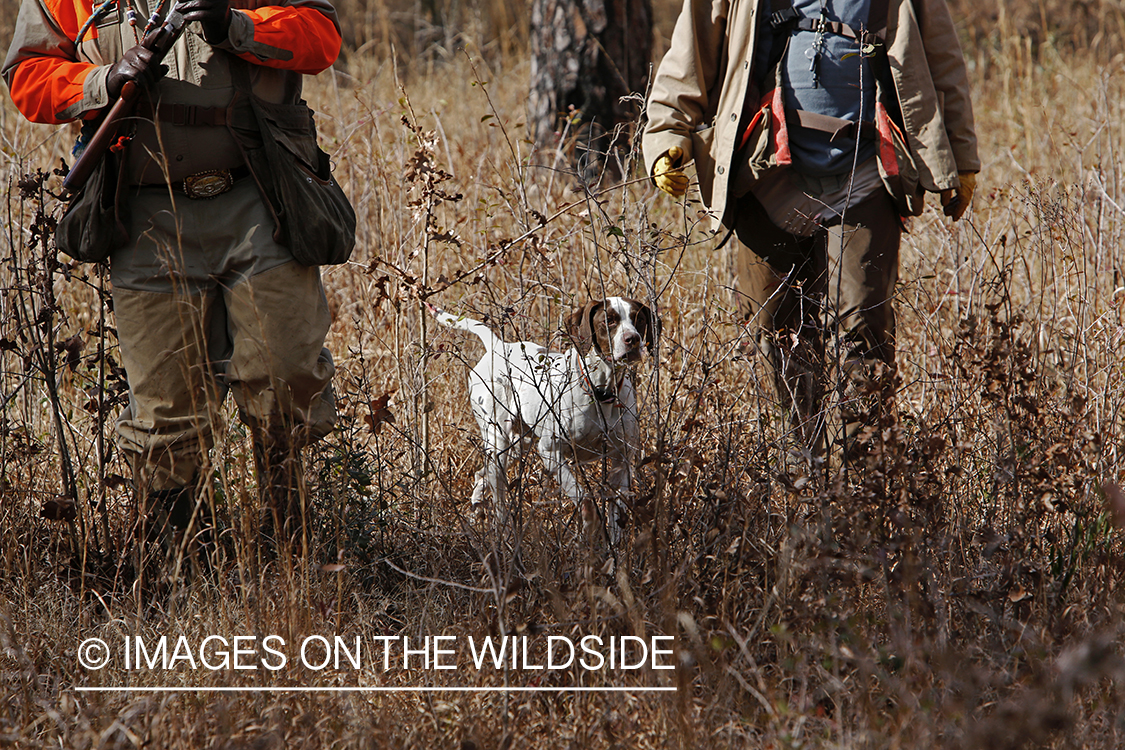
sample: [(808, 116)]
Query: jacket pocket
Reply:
[(702, 143), (897, 167), (314, 217), (764, 144), (93, 225), (292, 128)]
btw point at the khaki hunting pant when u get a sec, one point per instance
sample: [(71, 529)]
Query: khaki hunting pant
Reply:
[(206, 301), (822, 311)]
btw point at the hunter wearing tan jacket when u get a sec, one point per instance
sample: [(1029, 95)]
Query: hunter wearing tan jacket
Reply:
[(814, 125)]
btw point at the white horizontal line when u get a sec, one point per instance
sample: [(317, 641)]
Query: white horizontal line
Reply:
[(281, 689)]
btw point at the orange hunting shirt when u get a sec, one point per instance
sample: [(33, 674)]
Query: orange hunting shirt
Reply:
[(53, 81)]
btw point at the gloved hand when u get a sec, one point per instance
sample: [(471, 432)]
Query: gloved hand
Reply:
[(668, 176), (955, 204), (134, 65), (213, 16)]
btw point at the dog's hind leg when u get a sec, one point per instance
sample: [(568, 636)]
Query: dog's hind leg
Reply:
[(483, 477), (494, 435), (493, 476)]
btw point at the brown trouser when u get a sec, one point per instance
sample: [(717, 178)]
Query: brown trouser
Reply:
[(206, 301), (822, 310)]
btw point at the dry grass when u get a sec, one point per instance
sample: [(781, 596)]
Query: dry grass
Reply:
[(959, 593)]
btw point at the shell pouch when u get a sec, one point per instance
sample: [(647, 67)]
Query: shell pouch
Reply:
[(312, 215)]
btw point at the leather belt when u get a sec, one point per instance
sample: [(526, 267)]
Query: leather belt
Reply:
[(838, 127), (210, 183)]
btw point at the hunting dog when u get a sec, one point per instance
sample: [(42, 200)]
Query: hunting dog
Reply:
[(580, 405)]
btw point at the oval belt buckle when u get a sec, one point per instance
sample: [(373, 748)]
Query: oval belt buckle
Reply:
[(208, 184)]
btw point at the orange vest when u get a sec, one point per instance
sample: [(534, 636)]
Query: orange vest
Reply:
[(46, 73)]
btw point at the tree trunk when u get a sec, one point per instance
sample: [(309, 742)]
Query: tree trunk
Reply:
[(586, 55)]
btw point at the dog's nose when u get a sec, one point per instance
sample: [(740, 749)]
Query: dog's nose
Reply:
[(631, 338)]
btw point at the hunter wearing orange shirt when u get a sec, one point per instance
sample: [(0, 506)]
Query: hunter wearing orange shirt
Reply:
[(207, 299)]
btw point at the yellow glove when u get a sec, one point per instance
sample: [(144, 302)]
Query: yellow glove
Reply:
[(668, 176), (956, 205)]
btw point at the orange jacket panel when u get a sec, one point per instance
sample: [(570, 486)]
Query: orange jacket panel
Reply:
[(311, 36), (44, 86)]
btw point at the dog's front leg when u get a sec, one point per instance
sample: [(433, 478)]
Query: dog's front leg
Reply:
[(554, 462), (621, 471), (620, 478)]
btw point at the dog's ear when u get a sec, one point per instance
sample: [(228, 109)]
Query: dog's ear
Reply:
[(647, 324), (580, 326)]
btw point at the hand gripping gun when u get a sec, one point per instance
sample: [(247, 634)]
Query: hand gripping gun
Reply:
[(160, 41)]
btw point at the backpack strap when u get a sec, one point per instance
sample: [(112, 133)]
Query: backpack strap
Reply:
[(784, 18), (781, 13), (877, 17), (833, 27)]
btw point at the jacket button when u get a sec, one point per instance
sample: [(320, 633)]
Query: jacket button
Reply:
[(746, 65), (733, 117), (720, 169)]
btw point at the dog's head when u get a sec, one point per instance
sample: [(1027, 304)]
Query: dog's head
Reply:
[(615, 327)]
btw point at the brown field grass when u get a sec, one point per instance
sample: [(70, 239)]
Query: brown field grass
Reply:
[(960, 592)]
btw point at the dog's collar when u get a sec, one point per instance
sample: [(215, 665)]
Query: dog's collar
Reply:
[(601, 395)]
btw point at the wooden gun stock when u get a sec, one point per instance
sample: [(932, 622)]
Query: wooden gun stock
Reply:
[(159, 40), (102, 139)]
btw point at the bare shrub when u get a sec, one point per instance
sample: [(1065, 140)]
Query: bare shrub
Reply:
[(961, 591)]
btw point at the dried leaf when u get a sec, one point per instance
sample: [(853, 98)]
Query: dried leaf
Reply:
[(380, 412), (115, 481), (73, 348)]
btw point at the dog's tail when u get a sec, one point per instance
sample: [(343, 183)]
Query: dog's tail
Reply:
[(483, 332)]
